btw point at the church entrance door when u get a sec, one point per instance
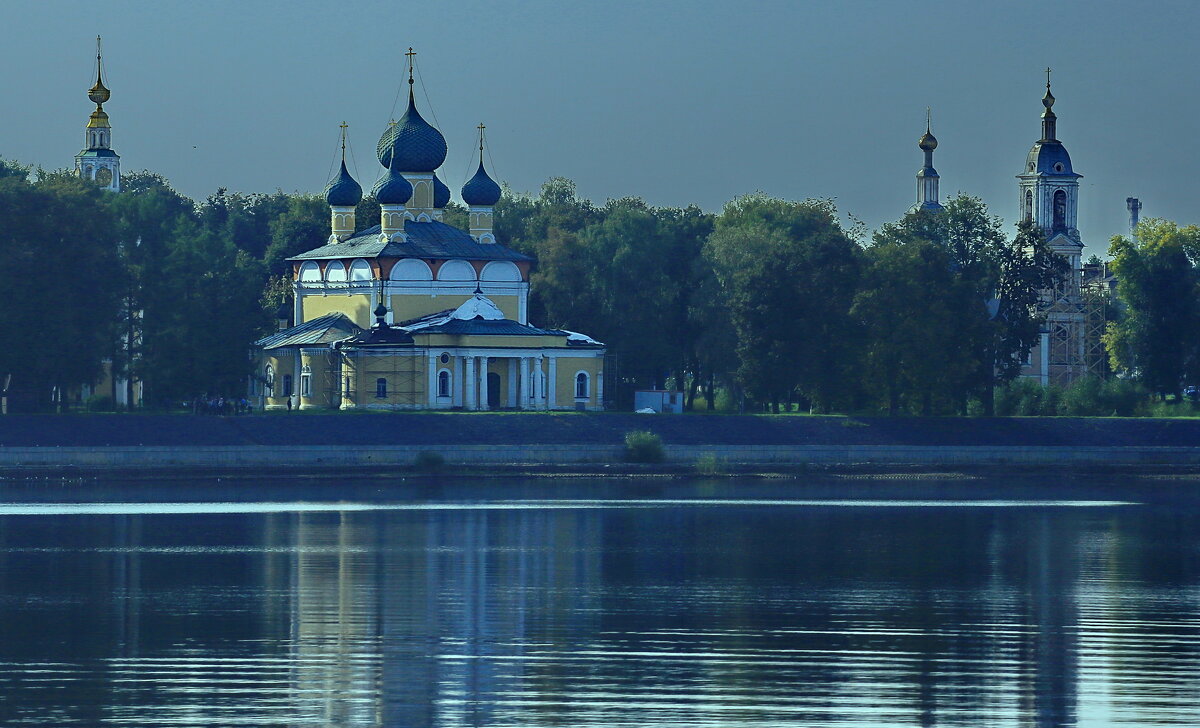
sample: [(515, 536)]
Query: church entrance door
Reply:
[(493, 384)]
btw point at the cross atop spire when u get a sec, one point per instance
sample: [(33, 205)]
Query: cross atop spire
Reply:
[(481, 127), (344, 126), (1047, 78), (928, 120)]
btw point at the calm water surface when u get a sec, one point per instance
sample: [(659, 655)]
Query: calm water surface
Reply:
[(591, 604)]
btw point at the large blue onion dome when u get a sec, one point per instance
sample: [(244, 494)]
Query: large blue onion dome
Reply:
[(342, 190), (416, 144), (481, 190), (441, 193), (392, 188)]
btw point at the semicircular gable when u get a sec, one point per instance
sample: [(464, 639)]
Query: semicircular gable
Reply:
[(500, 270), (360, 270), (310, 272), (411, 269), (456, 270), (335, 272)]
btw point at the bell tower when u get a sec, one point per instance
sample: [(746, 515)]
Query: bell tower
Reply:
[(98, 162), (1049, 188)]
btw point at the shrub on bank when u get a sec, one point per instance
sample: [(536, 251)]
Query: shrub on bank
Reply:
[(642, 446), (709, 464), (428, 461), (101, 403)]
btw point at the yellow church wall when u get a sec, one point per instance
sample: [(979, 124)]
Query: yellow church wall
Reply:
[(407, 381), (282, 362), (564, 389), (357, 307), (322, 391)]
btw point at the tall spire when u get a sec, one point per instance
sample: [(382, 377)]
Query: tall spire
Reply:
[(927, 177), (411, 55), (97, 161), (1048, 118), (481, 128)]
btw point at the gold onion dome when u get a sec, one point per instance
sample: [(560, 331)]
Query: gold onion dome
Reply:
[(99, 93), (927, 142)]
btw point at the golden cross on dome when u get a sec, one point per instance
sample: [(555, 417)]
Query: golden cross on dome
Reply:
[(928, 118), (481, 127), (411, 60), (344, 126), (1047, 78)]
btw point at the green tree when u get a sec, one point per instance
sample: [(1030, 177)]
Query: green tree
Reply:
[(915, 313), (789, 274), (58, 282), (1157, 337), (301, 226)]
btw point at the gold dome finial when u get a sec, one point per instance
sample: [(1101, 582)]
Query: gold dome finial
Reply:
[(98, 93), (928, 142)]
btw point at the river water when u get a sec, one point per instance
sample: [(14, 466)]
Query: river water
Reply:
[(601, 603)]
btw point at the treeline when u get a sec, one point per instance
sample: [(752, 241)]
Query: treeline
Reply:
[(768, 305)]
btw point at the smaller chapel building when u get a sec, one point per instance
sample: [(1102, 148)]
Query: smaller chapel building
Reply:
[(414, 313)]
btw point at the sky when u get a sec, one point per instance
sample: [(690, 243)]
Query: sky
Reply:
[(675, 102)]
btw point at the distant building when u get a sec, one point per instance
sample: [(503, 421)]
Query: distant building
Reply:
[(413, 313)]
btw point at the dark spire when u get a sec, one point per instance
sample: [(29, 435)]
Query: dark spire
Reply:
[(1049, 120)]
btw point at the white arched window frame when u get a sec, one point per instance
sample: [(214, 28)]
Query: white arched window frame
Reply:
[(360, 270), (456, 270), (306, 381), (269, 380), (411, 269), (335, 272), (424, 218), (310, 272), (583, 384), (501, 271), (444, 381)]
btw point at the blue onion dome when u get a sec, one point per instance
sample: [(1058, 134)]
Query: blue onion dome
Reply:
[(441, 193), (392, 188), (342, 190), (418, 146), (481, 190)]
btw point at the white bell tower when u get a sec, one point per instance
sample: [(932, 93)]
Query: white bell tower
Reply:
[(98, 162)]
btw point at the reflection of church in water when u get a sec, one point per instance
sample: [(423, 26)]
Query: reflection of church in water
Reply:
[(1074, 311)]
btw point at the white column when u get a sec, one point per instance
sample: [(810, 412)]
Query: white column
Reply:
[(524, 383), (483, 383), (456, 386), (553, 384), (539, 384), (1045, 359), (598, 392), (470, 383), (431, 394), (512, 382)]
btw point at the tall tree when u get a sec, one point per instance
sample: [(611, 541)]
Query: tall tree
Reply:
[(1157, 337), (789, 273)]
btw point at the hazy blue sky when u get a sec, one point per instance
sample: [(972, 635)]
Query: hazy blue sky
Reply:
[(676, 102)]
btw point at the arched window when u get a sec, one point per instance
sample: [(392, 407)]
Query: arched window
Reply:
[(443, 383), (287, 385), (1060, 210), (1028, 206), (269, 380), (306, 382), (581, 385), (381, 388)]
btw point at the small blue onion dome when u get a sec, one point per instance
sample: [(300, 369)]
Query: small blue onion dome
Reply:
[(481, 190), (342, 190), (416, 144), (392, 188), (441, 193)]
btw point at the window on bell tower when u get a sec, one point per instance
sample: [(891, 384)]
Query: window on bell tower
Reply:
[(1060, 211), (1028, 206)]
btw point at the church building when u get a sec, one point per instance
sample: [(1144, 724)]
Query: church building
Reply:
[(98, 162), (413, 313), (1070, 346)]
